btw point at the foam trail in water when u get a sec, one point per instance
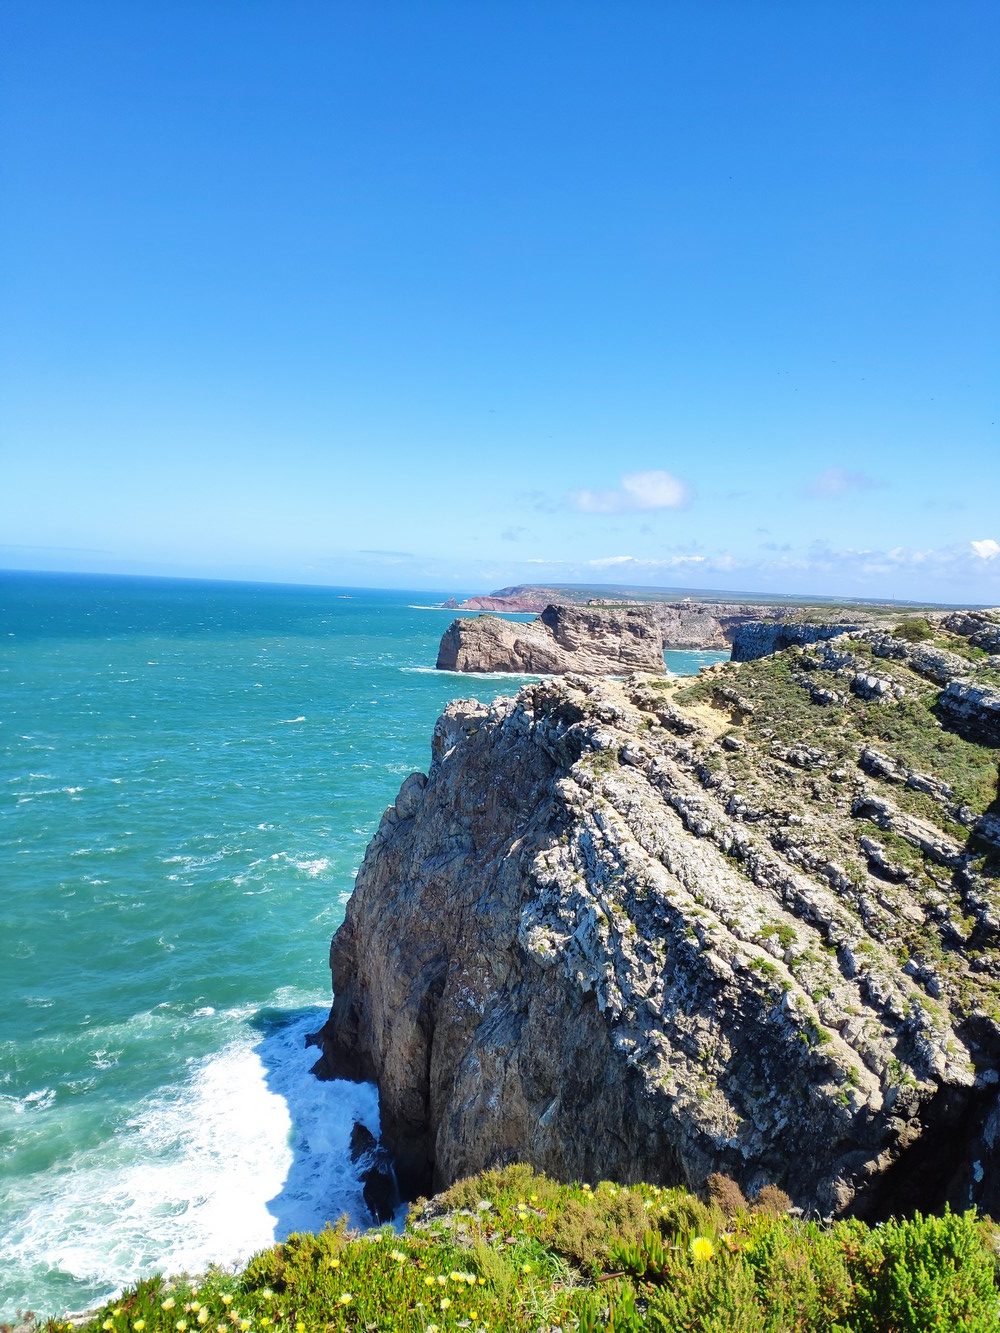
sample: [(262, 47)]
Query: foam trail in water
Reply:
[(478, 675), (248, 1148)]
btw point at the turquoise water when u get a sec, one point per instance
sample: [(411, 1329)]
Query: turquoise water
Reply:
[(189, 773)]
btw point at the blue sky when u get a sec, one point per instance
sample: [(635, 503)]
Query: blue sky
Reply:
[(453, 295)]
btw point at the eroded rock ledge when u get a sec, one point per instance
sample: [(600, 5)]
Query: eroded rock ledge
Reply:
[(652, 929)]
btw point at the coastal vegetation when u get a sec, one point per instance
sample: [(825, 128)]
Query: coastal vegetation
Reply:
[(510, 1249)]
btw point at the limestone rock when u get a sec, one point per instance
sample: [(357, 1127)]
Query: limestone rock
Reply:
[(590, 640), (628, 930), (758, 638), (974, 708)]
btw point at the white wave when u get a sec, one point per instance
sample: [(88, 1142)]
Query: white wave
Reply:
[(314, 867), (477, 675), (248, 1148), (286, 721), (39, 1100)]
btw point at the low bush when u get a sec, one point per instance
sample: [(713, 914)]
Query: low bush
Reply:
[(512, 1250)]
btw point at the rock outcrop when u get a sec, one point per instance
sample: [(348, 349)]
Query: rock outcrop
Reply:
[(701, 624), (973, 709), (651, 929), (760, 638), (590, 640)]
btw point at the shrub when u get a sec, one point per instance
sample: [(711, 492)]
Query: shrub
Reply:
[(511, 1250), (915, 629), (726, 1194)]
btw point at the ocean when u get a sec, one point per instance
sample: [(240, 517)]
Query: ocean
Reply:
[(189, 774)]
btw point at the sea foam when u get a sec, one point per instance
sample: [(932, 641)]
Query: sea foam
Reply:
[(247, 1148)]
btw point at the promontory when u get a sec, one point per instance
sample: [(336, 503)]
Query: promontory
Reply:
[(745, 923)]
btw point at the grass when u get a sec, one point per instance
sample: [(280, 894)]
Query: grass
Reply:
[(907, 729), (513, 1250)]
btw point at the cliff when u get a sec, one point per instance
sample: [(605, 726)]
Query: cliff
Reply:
[(694, 621), (653, 929), (759, 638), (591, 640)]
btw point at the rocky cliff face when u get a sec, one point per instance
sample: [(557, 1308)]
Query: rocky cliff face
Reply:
[(652, 929), (687, 623), (591, 640), (759, 638)]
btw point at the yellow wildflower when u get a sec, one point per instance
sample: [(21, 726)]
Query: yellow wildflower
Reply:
[(702, 1249), (181, 1325), (244, 1324), (108, 1323), (194, 1307), (300, 1327), (456, 1276), (443, 1281), (398, 1255), (345, 1298), (227, 1299), (445, 1302), (203, 1316), (138, 1325), (334, 1263), (168, 1304), (430, 1281)]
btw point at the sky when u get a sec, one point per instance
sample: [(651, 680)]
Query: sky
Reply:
[(696, 293)]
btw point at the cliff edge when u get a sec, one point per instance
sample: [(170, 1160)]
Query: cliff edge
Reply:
[(652, 929)]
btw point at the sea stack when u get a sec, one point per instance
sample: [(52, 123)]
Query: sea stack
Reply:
[(588, 640)]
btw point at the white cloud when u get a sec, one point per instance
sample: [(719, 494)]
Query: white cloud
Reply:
[(837, 481), (987, 549), (638, 491), (668, 562)]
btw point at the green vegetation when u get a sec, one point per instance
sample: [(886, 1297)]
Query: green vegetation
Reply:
[(907, 729), (512, 1250), (917, 629)]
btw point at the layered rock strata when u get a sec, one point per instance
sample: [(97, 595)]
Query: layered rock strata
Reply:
[(652, 929), (759, 638), (590, 640)]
